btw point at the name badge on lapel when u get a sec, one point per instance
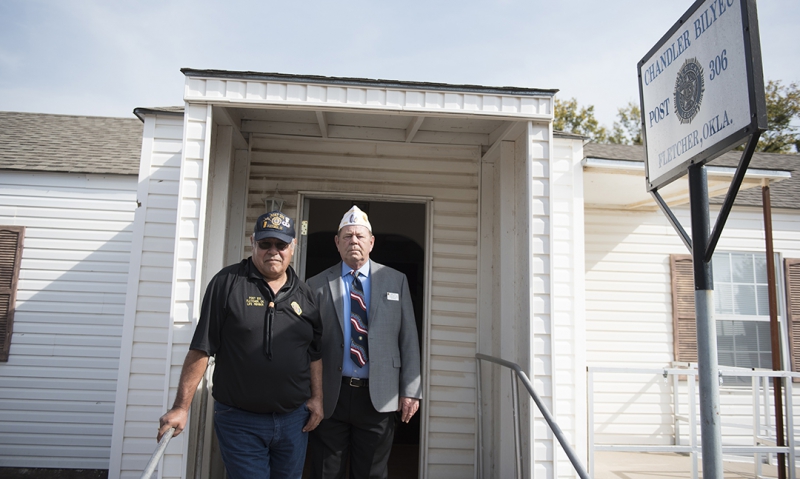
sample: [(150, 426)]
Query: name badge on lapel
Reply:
[(393, 296)]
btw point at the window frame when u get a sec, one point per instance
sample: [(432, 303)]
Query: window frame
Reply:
[(752, 317), (683, 313)]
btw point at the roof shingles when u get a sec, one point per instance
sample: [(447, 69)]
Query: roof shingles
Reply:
[(73, 144), (783, 194)]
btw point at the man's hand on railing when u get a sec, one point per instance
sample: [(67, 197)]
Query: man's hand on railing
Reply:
[(175, 417), (194, 366)]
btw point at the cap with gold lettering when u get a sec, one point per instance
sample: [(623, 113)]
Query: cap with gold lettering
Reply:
[(274, 225)]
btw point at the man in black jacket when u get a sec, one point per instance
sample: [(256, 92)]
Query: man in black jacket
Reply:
[(262, 325)]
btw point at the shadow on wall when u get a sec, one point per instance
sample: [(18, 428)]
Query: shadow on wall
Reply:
[(58, 388)]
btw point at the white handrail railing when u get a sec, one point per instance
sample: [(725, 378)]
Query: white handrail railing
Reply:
[(762, 443)]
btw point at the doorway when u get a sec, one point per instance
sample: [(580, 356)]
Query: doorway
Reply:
[(400, 240)]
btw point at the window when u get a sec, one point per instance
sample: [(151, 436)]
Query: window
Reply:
[(741, 306), (10, 255)]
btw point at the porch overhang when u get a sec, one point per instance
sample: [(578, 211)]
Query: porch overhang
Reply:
[(269, 105), (612, 183), (337, 93)]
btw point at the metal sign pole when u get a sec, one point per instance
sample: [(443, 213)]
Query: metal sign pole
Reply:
[(707, 367)]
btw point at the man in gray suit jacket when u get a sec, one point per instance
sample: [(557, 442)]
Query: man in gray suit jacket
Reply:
[(370, 357)]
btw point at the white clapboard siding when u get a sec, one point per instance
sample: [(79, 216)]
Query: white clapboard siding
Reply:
[(562, 340), (183, 267), (142, 370), (57, 388), (629, 317), (448, 174)]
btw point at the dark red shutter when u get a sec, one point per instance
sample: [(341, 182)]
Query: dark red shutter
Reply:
[(683, 318), (792, 271), (10, 255)]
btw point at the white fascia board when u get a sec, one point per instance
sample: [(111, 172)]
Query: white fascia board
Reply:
[(605, 164), (637, 166), (226, 91), (754, 173)]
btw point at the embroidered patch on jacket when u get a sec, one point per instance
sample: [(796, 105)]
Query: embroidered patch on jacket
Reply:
[(255, 301), (296, 308)]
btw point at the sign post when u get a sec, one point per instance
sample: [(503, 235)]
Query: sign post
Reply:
[(701, 90)]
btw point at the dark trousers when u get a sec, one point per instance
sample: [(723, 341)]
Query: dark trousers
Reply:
[(261, 445), (355, 431)]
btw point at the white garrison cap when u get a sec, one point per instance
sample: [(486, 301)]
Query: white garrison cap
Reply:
[(355, 217)]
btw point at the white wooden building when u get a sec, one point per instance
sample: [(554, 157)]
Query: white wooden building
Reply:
[(67, 202), (639, 303), (519, 242), (531, 248), (498, 219)]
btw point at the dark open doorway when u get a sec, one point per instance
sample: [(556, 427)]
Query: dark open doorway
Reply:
[(399, 230)]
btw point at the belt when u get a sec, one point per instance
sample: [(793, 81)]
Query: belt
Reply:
[(355, 382)]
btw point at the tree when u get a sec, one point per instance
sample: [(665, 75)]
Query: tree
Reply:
[(572, 118), (783, 106), (628, 130), (579, 120)]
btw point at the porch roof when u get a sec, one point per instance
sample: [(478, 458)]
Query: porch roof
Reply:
[(614, 177), (368, 82), (269, 105), (322, 93)]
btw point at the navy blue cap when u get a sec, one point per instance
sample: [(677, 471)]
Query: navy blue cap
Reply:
[(274, 225)]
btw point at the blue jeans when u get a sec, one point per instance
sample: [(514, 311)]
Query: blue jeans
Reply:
[(261, 445)]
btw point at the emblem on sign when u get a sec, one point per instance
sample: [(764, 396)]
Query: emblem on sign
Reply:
[(689, 88)]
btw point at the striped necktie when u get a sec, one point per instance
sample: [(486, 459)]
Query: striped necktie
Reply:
[(358, 323)]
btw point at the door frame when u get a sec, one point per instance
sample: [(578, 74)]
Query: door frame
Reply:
[(299, 260)]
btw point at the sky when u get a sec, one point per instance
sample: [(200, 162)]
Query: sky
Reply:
[(105, 58)]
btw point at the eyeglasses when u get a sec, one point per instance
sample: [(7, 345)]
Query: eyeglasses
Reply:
[(267, 245)]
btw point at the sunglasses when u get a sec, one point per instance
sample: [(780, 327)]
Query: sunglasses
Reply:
[(267, 245)]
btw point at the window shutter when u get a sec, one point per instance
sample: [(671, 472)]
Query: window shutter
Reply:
[(683, 318), (10, 255), (792, 271)]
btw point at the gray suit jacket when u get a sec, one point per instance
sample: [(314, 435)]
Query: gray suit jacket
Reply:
[(393, 344)]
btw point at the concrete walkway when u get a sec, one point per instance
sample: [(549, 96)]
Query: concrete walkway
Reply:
[(640, 465)]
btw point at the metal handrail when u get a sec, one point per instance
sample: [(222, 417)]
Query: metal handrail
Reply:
[(517, 372), (201, 427), (162, 446)]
